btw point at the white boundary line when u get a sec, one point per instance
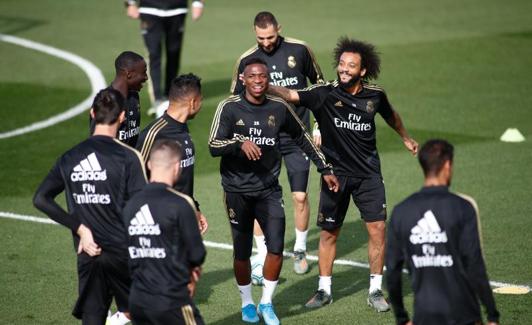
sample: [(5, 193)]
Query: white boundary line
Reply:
[(224, 246), (93, 73)]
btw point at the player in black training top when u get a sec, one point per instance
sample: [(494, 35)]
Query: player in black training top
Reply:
[(345, 111), (436, 234), (131, 73), (98, 176), (245, 132), (165, 246), (185, 102), (290, 63)]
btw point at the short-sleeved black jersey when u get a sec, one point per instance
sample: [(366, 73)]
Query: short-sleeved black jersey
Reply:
[(164, 244), (166, 127), (237, 120), (98, 176), (436, 234), (347, 123), (290, 64), (129, 130)]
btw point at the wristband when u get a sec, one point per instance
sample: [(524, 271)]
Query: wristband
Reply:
[(197, 4), (128, 3)]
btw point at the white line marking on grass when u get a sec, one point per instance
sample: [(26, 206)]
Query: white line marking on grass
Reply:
[(225, 246), (93, 73)]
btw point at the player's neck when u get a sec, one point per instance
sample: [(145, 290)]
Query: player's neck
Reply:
[(177, 112), (120, 85), (255, 100), (161, 178), (356, 88), (440, 180), (106, 130)]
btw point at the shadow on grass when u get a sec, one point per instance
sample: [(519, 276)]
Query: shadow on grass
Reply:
[(14, 25)]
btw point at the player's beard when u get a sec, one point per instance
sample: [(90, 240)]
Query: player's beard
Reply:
[(350, 83)]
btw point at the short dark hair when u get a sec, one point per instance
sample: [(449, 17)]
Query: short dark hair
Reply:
[(369, 55), (265, 18), (107, 106), (126, 60), (184, 85), (433, 155), (170, 145), (255, 61)]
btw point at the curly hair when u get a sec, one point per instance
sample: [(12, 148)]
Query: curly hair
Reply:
[(370, 57)]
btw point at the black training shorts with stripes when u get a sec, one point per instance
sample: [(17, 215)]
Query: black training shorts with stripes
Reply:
[(268, 208), (368, 195), (186, 314)]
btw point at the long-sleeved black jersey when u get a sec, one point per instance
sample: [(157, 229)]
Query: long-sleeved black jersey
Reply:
[(347, 124), (436, 234), (237, 120), (98, 176), (166, 127), (164, 244), (290, 64), (129, 130)]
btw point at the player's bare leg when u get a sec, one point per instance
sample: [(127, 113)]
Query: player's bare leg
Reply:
[(376, 247), (326, 256), (301, 220)]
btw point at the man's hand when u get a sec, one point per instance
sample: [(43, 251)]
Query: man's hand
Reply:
[(86, 242), (202, 222), (195, 274), (251, 150), (196, 13), (411, 145), (332, 182), (133, 11)]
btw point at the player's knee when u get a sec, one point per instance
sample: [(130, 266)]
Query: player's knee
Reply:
[(329, 237), (300, 198)]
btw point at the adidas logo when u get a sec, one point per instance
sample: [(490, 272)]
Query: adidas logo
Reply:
[(143, 223), (88, 169), (339, 104), (240, 123), (427, 230)]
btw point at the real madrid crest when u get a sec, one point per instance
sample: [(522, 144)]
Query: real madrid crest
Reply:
[(370, 106), (292, 61), (232, 214), (321, 218), (271, 121)]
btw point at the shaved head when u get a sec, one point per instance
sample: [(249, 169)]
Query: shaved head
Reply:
[(164, 154)]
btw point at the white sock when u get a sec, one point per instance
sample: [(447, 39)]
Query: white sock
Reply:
[(267, 291), (375, 282), (245, 294), (261, 245), (118, 318), (301, 241), (325, 284)]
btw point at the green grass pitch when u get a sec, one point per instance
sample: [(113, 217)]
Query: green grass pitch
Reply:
[(453, 69)]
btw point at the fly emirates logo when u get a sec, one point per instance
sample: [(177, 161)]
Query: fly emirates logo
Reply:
[(255, 136), (277, 79), (427, 232), (88, 171), (353, 123)]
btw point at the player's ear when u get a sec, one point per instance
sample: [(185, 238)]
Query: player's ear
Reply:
[(363, 72), (122, 116), (279, 27), (149, 164), (92, 113)]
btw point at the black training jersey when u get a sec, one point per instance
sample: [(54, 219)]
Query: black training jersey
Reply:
[(290, 64), (347, 123), (98, 176), (436, 234), (164, 244), (166, 127), (129, 130), (237, 120)]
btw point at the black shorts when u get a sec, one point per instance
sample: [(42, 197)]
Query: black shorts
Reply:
[(185, 315), (297, 166), (268, 208), (100, 279), (367, 193)]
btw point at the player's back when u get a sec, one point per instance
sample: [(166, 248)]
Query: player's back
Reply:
[(160, 224), (432, 225), (100, 174)]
